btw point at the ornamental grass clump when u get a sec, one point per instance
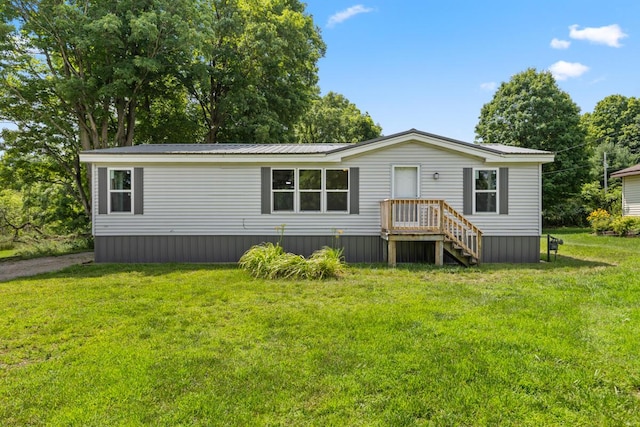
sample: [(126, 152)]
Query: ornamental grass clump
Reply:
[(288, 266), (325, 263), (270, 261), (259, 259)]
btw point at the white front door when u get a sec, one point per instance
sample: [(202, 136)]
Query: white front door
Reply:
[(405, 186), (405, 182)]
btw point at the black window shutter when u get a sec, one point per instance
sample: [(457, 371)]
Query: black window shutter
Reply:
[(265, 192), (138, 191), (503, 189), (467, 191), (103, 181), (354, 190)]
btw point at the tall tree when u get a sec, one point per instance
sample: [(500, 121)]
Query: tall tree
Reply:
[(613, 128), (531, 111), (73, 73), (94, 60), (332, 118), (254, 70)]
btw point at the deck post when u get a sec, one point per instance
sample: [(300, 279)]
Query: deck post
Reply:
[(439, 252), (391, 252)]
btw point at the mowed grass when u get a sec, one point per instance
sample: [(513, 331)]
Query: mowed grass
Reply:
[(547, 344)]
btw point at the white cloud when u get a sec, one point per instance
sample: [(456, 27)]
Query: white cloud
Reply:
[(609, 35), (489, 86), (347, 13), (560, 44), (563, 70)]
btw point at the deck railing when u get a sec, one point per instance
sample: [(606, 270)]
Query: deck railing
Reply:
[(430, 216)]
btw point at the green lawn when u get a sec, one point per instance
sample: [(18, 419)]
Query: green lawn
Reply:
[(550, 344)]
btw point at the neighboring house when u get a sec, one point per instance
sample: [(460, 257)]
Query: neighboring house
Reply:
[(412, 196), (630, 190)]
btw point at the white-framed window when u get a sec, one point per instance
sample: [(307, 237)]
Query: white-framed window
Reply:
[(337, 190), (310, 190), (120, 188), (485, 190), (283, 186)]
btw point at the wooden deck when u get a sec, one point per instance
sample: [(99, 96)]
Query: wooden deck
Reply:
[(430, 220)]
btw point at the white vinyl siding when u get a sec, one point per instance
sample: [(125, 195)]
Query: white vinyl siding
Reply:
[(631, 195), (197, 199)]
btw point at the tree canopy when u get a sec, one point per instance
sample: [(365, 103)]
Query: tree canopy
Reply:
[(531, 111), (332, 118), (613, 128), (254, 68), (84, 75)]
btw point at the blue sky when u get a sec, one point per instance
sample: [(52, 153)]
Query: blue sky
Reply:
[(431, 65)]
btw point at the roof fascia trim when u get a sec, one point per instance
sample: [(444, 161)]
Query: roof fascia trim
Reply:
[(489, 155)]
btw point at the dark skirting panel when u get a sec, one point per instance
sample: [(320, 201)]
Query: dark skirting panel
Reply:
[(150, 249), (357, 249), (510, 249)]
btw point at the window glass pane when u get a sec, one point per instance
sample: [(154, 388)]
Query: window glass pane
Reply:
[(310, 201), (121, 202), (283, 179), (486, 202), (120, 180), (310, 179), (283, 201), (486, 179), (337, 201), (338, 179)]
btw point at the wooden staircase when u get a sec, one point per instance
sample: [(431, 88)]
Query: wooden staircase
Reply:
[(430, 220)]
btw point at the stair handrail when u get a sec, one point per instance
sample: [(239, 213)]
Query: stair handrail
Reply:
[(447, 221), (460, 230)]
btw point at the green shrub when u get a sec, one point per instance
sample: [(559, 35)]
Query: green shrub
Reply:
[(600, 220), (6, 245), (570, 213), (626, 225)]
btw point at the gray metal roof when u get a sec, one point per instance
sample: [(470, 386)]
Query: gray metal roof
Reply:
[(223, 149), (511, 149), (266, 149)]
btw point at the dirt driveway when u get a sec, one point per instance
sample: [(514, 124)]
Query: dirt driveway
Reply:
[(30, 267)]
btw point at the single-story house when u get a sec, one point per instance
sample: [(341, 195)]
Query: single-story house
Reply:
[(412, 196), (630, 190)]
